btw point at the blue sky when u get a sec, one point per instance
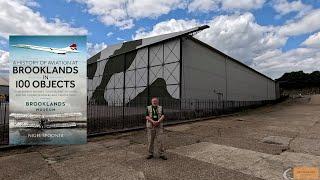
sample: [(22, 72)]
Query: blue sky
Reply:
[(273, 36)]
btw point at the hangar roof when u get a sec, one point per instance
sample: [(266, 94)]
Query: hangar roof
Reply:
[(117, 49), (121, 48)]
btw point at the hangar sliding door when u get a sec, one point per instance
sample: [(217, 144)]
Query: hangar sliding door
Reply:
[(164, 72), (142, 73), (114, 89), (136, 77)]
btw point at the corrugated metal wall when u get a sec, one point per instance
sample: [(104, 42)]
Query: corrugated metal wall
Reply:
[(203, 72), (210, 75)]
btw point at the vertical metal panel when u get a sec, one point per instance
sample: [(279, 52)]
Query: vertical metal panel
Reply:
[(156, 55), (203, 72), (136, 75), (210, 73)]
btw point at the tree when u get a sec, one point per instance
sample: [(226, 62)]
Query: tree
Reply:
[(299, 79)]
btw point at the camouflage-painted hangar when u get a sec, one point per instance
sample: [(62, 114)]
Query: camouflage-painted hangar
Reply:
[(175, 66)]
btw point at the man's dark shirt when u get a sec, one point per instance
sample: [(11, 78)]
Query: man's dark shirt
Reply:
[(155, 115)]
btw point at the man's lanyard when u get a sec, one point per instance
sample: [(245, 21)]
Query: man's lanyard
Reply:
[(153, 110)]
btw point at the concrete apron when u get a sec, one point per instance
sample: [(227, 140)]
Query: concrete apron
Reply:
[(261, 165)]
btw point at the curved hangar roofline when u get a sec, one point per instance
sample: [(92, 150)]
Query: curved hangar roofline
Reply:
[(121, 48)]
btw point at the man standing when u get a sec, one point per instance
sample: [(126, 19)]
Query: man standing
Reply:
[(154, 121), (41, 122)]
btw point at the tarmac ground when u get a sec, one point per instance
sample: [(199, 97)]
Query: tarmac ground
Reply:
[(264, 143)]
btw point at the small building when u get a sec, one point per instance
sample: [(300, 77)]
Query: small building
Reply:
[(173, 66)]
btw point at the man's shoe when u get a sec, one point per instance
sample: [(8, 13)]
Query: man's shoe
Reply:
[(163, 157), (150, 157)]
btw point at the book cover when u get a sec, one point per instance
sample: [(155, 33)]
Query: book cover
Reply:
[(48, 90)]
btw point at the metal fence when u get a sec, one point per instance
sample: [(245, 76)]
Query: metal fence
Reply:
[(4, 123), (114, 117)]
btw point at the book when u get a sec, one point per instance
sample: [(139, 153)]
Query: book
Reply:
[(47, 90)]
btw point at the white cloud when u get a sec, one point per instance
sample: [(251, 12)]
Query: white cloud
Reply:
[(313, 41), (122, 13), (95, 48), (165, 27), (110, 12), (236, 35), (284, 7), (241, 37), (260, 47), (120, 39), (224, 5), (275, 62), (307, 24), (242, 4), (109, 34), (30, 3), (4, 60), (203, 5), (17, 18), (152, 8)]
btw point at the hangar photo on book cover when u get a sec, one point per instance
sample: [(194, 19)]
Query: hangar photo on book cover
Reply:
[(48, 96)]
